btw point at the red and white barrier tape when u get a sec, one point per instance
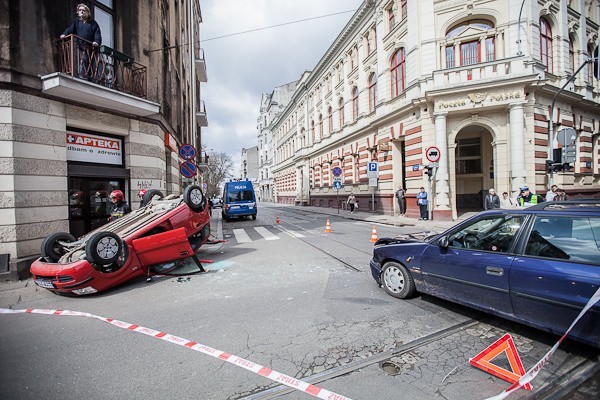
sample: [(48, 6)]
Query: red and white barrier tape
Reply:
[(532, 373), (224, 356)]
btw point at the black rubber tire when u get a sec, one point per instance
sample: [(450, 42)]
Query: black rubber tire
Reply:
[(104, 248), (397, 281), (150, 194), (51, 249), (194, 198), (254, 217)]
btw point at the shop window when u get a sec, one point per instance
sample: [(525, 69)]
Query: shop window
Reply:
[(397, 69)]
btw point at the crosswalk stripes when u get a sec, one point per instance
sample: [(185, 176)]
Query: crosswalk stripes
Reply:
[(241, 236), (247, 235), (265, 233)]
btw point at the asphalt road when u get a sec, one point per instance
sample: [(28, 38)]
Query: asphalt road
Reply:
[(287, 296)]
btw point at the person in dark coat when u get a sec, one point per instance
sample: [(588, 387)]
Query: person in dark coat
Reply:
[(88, 30), (119, 205), (401, 197), (492, 200)]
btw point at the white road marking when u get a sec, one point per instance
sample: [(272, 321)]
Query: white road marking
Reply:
[(241, 236), (264, 232)]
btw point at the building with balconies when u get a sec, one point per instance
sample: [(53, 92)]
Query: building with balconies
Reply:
[(474, 89), (79, 121)]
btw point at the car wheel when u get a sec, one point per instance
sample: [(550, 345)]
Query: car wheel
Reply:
[(397, 281), (194, 198), (225, 217), (254, 217), (52, 248), (150, 195), (104, 248)]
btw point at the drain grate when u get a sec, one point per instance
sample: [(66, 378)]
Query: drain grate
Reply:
[(390, 368)]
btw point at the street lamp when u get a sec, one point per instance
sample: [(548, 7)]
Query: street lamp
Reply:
[(551, 122)]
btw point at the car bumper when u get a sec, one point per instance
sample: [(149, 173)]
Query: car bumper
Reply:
[(376, 271)]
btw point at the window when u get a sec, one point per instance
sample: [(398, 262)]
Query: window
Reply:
[(103, 14), (469, 35), (468, 156), (355, 103), (565, 238), (330, 120), (403, 8), (372, 91), (341, 112), (494, 233), (398, 72), (320, 126), (546, 44), (593, 67), (571, 56), (391, 18), (312, 131)]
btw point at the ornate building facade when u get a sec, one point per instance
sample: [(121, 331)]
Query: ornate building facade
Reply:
[(79, 120), (480, 81)]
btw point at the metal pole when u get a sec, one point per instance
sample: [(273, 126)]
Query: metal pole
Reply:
[(373, 200), (429, 211), (551, 122)]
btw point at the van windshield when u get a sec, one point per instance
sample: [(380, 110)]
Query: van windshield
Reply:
[(239, 195)]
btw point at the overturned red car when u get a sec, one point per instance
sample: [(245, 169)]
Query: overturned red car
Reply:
[(156, 238)]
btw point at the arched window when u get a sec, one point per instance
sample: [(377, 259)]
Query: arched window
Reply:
[(546, 44), (354, 103), (403, 8), (372, 91), (330, 120), (469, 34), (303, 138), (320, 126), (398, 68), (571, 55), (593, 67), (341, 112)]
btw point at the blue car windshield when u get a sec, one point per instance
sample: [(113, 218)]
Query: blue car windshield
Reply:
[(239, 195)]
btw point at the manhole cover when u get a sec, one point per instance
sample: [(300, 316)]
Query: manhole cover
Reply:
[(389, 367)]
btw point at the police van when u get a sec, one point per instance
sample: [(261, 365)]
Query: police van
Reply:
[(239, 200)]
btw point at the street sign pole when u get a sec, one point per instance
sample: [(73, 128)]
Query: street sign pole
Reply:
[(337, 197)]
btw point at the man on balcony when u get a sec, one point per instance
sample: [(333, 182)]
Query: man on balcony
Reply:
[(85, 28)]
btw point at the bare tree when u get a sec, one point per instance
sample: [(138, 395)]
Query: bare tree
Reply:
[(220, 168)]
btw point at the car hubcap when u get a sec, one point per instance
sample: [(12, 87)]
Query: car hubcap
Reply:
[(196, 196), (107, 248), (393, 279)]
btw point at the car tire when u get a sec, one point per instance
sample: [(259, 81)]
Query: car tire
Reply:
[(225, 217), (51, 249), (194, 198), (150, 195), (397, 281), (104, 248), (254, 217)]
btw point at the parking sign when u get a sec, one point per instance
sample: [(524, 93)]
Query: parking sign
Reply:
[(373, 169)]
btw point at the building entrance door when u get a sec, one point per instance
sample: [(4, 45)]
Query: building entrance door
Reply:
[(89, 204), (474, 168)]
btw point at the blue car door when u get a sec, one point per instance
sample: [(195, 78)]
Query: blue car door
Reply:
[(474, 268), (558, 273)]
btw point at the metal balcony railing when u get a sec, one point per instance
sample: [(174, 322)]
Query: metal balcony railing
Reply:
[(103, 66)]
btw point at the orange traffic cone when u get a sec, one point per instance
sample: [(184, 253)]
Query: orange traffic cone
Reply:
[(277, 219), (327, 226), (374, 237)]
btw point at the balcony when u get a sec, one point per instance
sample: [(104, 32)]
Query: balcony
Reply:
[(477, 73), (101, 76), (202, 162), (201, 114), (201, 65)]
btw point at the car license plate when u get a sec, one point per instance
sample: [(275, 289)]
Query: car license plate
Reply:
[(44, 284)]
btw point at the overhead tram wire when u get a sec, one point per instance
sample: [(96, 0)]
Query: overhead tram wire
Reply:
[(250, 31)]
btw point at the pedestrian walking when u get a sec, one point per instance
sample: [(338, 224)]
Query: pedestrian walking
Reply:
[(401, 198), (351, 202), (506, 201), (491, 200), (422, 203)]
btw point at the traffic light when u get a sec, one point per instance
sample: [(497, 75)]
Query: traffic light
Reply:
[(549, 166), (428, 171)]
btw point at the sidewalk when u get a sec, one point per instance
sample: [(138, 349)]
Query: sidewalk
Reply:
[(396, 220)]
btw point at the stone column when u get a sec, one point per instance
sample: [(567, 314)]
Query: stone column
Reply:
[(517, 151), (442, 199)]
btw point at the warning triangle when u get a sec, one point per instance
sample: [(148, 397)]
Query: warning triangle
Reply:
[(504, 344)]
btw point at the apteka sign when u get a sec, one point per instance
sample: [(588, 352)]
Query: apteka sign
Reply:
[(90, 148)]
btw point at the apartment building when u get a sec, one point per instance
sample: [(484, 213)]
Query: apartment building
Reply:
[(78, 120), (271, 104), (487, 89)]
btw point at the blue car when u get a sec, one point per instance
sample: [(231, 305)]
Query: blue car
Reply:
[(538, 266), (239, 200)]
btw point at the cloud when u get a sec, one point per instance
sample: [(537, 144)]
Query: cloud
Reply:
[(242, 67)]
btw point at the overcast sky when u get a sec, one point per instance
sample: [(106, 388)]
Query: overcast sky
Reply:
[(242, 67)]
